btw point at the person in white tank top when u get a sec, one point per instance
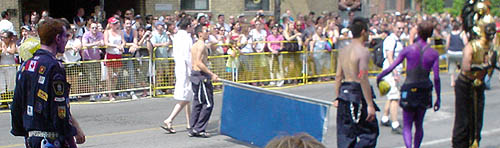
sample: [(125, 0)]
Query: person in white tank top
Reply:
[(7, 74), (114, 40)]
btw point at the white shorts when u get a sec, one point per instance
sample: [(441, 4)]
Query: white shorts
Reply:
[(183, 89)]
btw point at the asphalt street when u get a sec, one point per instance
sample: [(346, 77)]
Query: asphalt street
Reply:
[(135, 123)]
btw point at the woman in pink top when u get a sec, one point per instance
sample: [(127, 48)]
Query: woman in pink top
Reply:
[(274, 44)]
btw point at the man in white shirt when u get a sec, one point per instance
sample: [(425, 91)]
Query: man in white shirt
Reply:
[(392, 46), (221, 23), (5, 24)]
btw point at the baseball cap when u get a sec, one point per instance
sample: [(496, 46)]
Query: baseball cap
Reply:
[(159, 23), (112, 20), (138, 16)]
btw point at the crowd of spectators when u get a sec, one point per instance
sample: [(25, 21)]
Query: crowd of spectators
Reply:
[(126, 36)]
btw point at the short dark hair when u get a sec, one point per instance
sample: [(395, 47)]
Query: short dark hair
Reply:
[(425, 30), (220, 15), (198, 29), (358, 25), (5, 14), (184, 23)]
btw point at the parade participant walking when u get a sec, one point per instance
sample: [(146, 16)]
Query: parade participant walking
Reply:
[(469, 87), (416, 92), (392, 47), (201, 78), (42, 94), (356, 109), (182, 43)]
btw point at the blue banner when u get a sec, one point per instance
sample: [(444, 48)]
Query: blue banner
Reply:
[(256, 116)]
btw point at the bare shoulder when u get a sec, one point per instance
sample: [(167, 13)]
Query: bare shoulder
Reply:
[(198, 46)]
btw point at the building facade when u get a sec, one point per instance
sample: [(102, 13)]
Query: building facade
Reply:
[(67, 8)]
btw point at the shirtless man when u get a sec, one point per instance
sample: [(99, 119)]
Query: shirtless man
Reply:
[(201, 79), (356, 109), (348, 5)]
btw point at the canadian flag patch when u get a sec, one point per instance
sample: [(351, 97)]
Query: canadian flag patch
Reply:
[(32, 66)]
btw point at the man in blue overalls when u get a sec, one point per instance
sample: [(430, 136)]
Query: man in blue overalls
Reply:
[(356, 110), (40, 108)]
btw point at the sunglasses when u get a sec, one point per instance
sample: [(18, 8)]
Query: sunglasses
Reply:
[(93, 27)]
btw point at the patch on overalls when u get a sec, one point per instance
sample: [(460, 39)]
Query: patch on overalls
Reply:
[(43, 95), (41, 80), (29, 110), (61, 112), (59, 99), (41, 70), (32, 66), (58, 88)]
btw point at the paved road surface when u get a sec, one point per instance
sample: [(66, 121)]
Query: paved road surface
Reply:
[(136, 123)]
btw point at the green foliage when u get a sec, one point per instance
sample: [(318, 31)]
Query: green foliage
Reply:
[(456, 9), (495, 7), (433, 6)]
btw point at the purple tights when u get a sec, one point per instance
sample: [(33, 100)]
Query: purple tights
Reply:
[(410, 117)]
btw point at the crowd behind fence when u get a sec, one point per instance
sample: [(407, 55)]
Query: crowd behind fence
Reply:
[(155, 76)]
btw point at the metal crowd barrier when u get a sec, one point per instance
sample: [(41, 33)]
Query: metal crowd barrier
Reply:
[(157, 76)]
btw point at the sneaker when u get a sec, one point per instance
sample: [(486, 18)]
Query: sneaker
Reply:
[(134, 97), (397, 130), (387, 123)]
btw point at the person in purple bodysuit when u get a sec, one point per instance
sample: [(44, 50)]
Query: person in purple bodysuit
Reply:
[(416, 92)]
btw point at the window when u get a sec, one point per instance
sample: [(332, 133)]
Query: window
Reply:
[(254, 5), (390, 5), (194, 4), (408, 4)]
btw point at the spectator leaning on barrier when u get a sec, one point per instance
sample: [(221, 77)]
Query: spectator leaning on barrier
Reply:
[(130, 36), (91, 42), (7, 74), (115, 42), (275, 45), (71, 55), (161, 41), (258, 36)]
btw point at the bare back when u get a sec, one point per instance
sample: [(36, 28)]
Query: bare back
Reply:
[(349, 60), (199, 52)]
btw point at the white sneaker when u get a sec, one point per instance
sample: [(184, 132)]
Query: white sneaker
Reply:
[(272, 83), (134, 97)]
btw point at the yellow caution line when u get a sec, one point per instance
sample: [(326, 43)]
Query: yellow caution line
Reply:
[(108, 134)]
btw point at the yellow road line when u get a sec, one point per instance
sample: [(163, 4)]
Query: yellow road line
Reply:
[(12, 145), (107, 134)]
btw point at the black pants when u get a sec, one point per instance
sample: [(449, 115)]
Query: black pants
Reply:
[(203, 101), (348, 131), (468, 122)]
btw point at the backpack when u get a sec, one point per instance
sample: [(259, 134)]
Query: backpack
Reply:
[(378, 53)]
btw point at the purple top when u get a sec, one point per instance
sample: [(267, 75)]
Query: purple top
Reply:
[(412, 55), (91, 53)]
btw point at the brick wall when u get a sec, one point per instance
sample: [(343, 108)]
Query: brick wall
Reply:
[(12, 4)]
